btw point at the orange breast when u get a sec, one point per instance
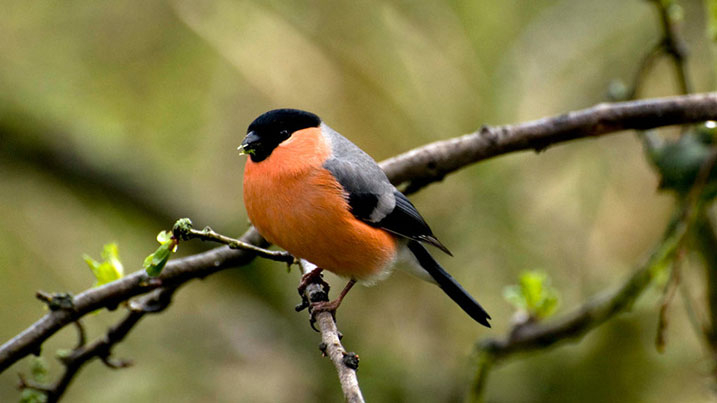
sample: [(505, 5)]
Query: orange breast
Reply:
[(297, 204)]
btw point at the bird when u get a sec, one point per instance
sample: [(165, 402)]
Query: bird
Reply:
[(317, 195)]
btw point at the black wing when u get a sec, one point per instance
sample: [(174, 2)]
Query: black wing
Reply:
[(405, 220), (374, 200)]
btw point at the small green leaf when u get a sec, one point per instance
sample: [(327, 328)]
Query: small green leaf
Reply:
[(39, 375), (533, 294), (30, 395), (154, 263), (92, 263), (110, 269), (39, 369), (164, 237), (63, 353)]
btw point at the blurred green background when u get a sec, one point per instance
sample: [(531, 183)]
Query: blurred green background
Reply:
[(118, 117)]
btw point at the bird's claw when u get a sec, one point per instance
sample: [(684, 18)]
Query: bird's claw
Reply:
[(303, 305), (317, 301), (322, 306)]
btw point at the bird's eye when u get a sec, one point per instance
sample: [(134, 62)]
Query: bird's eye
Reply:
[(284, 133)]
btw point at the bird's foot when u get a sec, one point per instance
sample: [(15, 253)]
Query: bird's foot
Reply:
[(318, 307), (312, 277), (324, 306)]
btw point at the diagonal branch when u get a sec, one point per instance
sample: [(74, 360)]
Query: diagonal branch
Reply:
[(531, 335), (433, 161), (420, 166), (101, 348), (176, 272), (596, 311)]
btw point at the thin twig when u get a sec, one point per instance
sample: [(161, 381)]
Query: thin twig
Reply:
[(81, 334), (102, 347), (706, 243), (346, 363), (207, 234), (674, 45), (693, 205), (668, 295), (692, 213), (648, 61)]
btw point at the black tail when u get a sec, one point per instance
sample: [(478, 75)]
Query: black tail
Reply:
[(448, 284)]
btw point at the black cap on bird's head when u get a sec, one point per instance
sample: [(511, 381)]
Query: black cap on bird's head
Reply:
[(271, 128)]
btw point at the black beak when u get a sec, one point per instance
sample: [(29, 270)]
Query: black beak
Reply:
[(249, 144)]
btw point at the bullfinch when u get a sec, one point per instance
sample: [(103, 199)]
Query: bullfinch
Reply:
[(317, 195)]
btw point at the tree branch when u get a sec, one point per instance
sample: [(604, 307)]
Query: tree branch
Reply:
[(346, 363), (421, 166), (101, 348), (207, 234), (176, 272), (533, 335), (433, 161)]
